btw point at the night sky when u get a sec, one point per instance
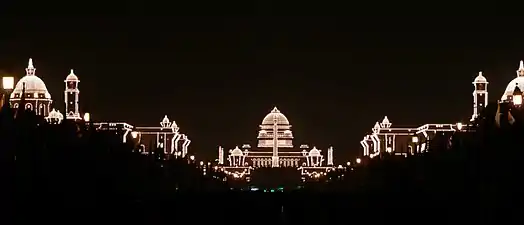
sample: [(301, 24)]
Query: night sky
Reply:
[(218, 76)]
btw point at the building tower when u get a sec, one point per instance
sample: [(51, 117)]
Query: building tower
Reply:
[(71, 95), (480, 95), (275, 142), (330, 156), (220, 155)]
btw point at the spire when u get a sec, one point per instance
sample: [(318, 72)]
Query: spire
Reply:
[(30, 70), (30, 64), (275, 110), (520, 72), (376, 128), (72, 72)]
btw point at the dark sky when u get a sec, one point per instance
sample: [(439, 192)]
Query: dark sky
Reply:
[(218, 76)]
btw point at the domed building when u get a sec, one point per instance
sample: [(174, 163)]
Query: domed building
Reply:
[(518, 81), (37, 98), (275, 135), (275, 122)]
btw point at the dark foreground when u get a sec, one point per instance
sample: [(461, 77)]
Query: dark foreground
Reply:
[(274, 208)]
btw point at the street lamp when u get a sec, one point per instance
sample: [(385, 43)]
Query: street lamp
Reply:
[(348, 163), (359, 160), (192, 157), (459, 126), (87, 117), (8, 83), (517, 96)]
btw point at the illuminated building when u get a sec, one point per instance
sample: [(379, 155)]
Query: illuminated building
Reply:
[(517, 82), (274, 149), (37, 98), (55, 117), (405, 141), (166, 136), (71, 95), (412, 140)]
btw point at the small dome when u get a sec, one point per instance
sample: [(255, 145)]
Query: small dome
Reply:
[(314, 152), (275, 114), (55, 116), (480, 78), (71, 76), (236, 152), (511, 87)]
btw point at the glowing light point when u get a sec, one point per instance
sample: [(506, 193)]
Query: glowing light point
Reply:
[(459, 126), (8, 83), (517, 96), (87, 117), (359, 160), (134, 134)]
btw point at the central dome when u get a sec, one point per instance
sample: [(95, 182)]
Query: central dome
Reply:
[(275, 114)]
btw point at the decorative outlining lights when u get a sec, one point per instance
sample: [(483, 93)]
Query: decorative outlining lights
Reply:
[(55, 117), (274, 138), (71, 96), (517, 82), (37, 98), (36, 95), (480, 95)]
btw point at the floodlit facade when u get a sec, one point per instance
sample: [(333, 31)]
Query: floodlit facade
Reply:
[(274, 149)]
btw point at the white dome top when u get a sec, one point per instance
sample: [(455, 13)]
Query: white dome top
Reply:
[(511, 87), (517, 81), (55, 114), (480, 79), (314, 152), (236, 152), (33, 84), (71, 76), (275, 114)]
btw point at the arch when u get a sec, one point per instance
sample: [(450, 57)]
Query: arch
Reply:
[(15, 105), (29, 106)]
